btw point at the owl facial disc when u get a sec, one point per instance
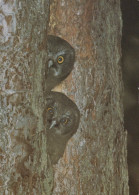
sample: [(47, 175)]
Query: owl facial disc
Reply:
[(61, 57)]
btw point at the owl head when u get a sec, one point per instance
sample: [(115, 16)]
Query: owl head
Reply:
[(61, 57), (61, 115)]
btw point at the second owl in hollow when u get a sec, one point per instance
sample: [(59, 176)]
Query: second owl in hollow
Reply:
[(61, 57), (61, 118)]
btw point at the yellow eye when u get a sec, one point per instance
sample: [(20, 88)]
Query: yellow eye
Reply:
[(60, 59), (64, 120), (50, 110)]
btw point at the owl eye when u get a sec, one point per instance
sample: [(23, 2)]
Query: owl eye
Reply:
[(60, 59), (50, 110), (64, 121)]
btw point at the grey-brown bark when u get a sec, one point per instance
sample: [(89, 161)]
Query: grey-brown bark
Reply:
[(23, 64), (95, 158)]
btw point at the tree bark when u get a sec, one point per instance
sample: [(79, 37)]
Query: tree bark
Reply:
[(95, 159), (23, 63)]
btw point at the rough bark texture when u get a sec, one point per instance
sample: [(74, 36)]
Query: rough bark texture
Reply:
[(23, 156), (95, 158)]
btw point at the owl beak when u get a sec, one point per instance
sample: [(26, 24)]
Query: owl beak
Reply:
[(50, 63), (52, 124)]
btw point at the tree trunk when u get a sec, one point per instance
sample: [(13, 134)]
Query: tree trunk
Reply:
[(94, 161), (23, 63)]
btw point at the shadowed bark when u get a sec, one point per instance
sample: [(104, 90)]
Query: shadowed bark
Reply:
[(130, 67)]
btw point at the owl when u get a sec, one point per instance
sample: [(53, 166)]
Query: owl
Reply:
[(61, 117), (61, 57)]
